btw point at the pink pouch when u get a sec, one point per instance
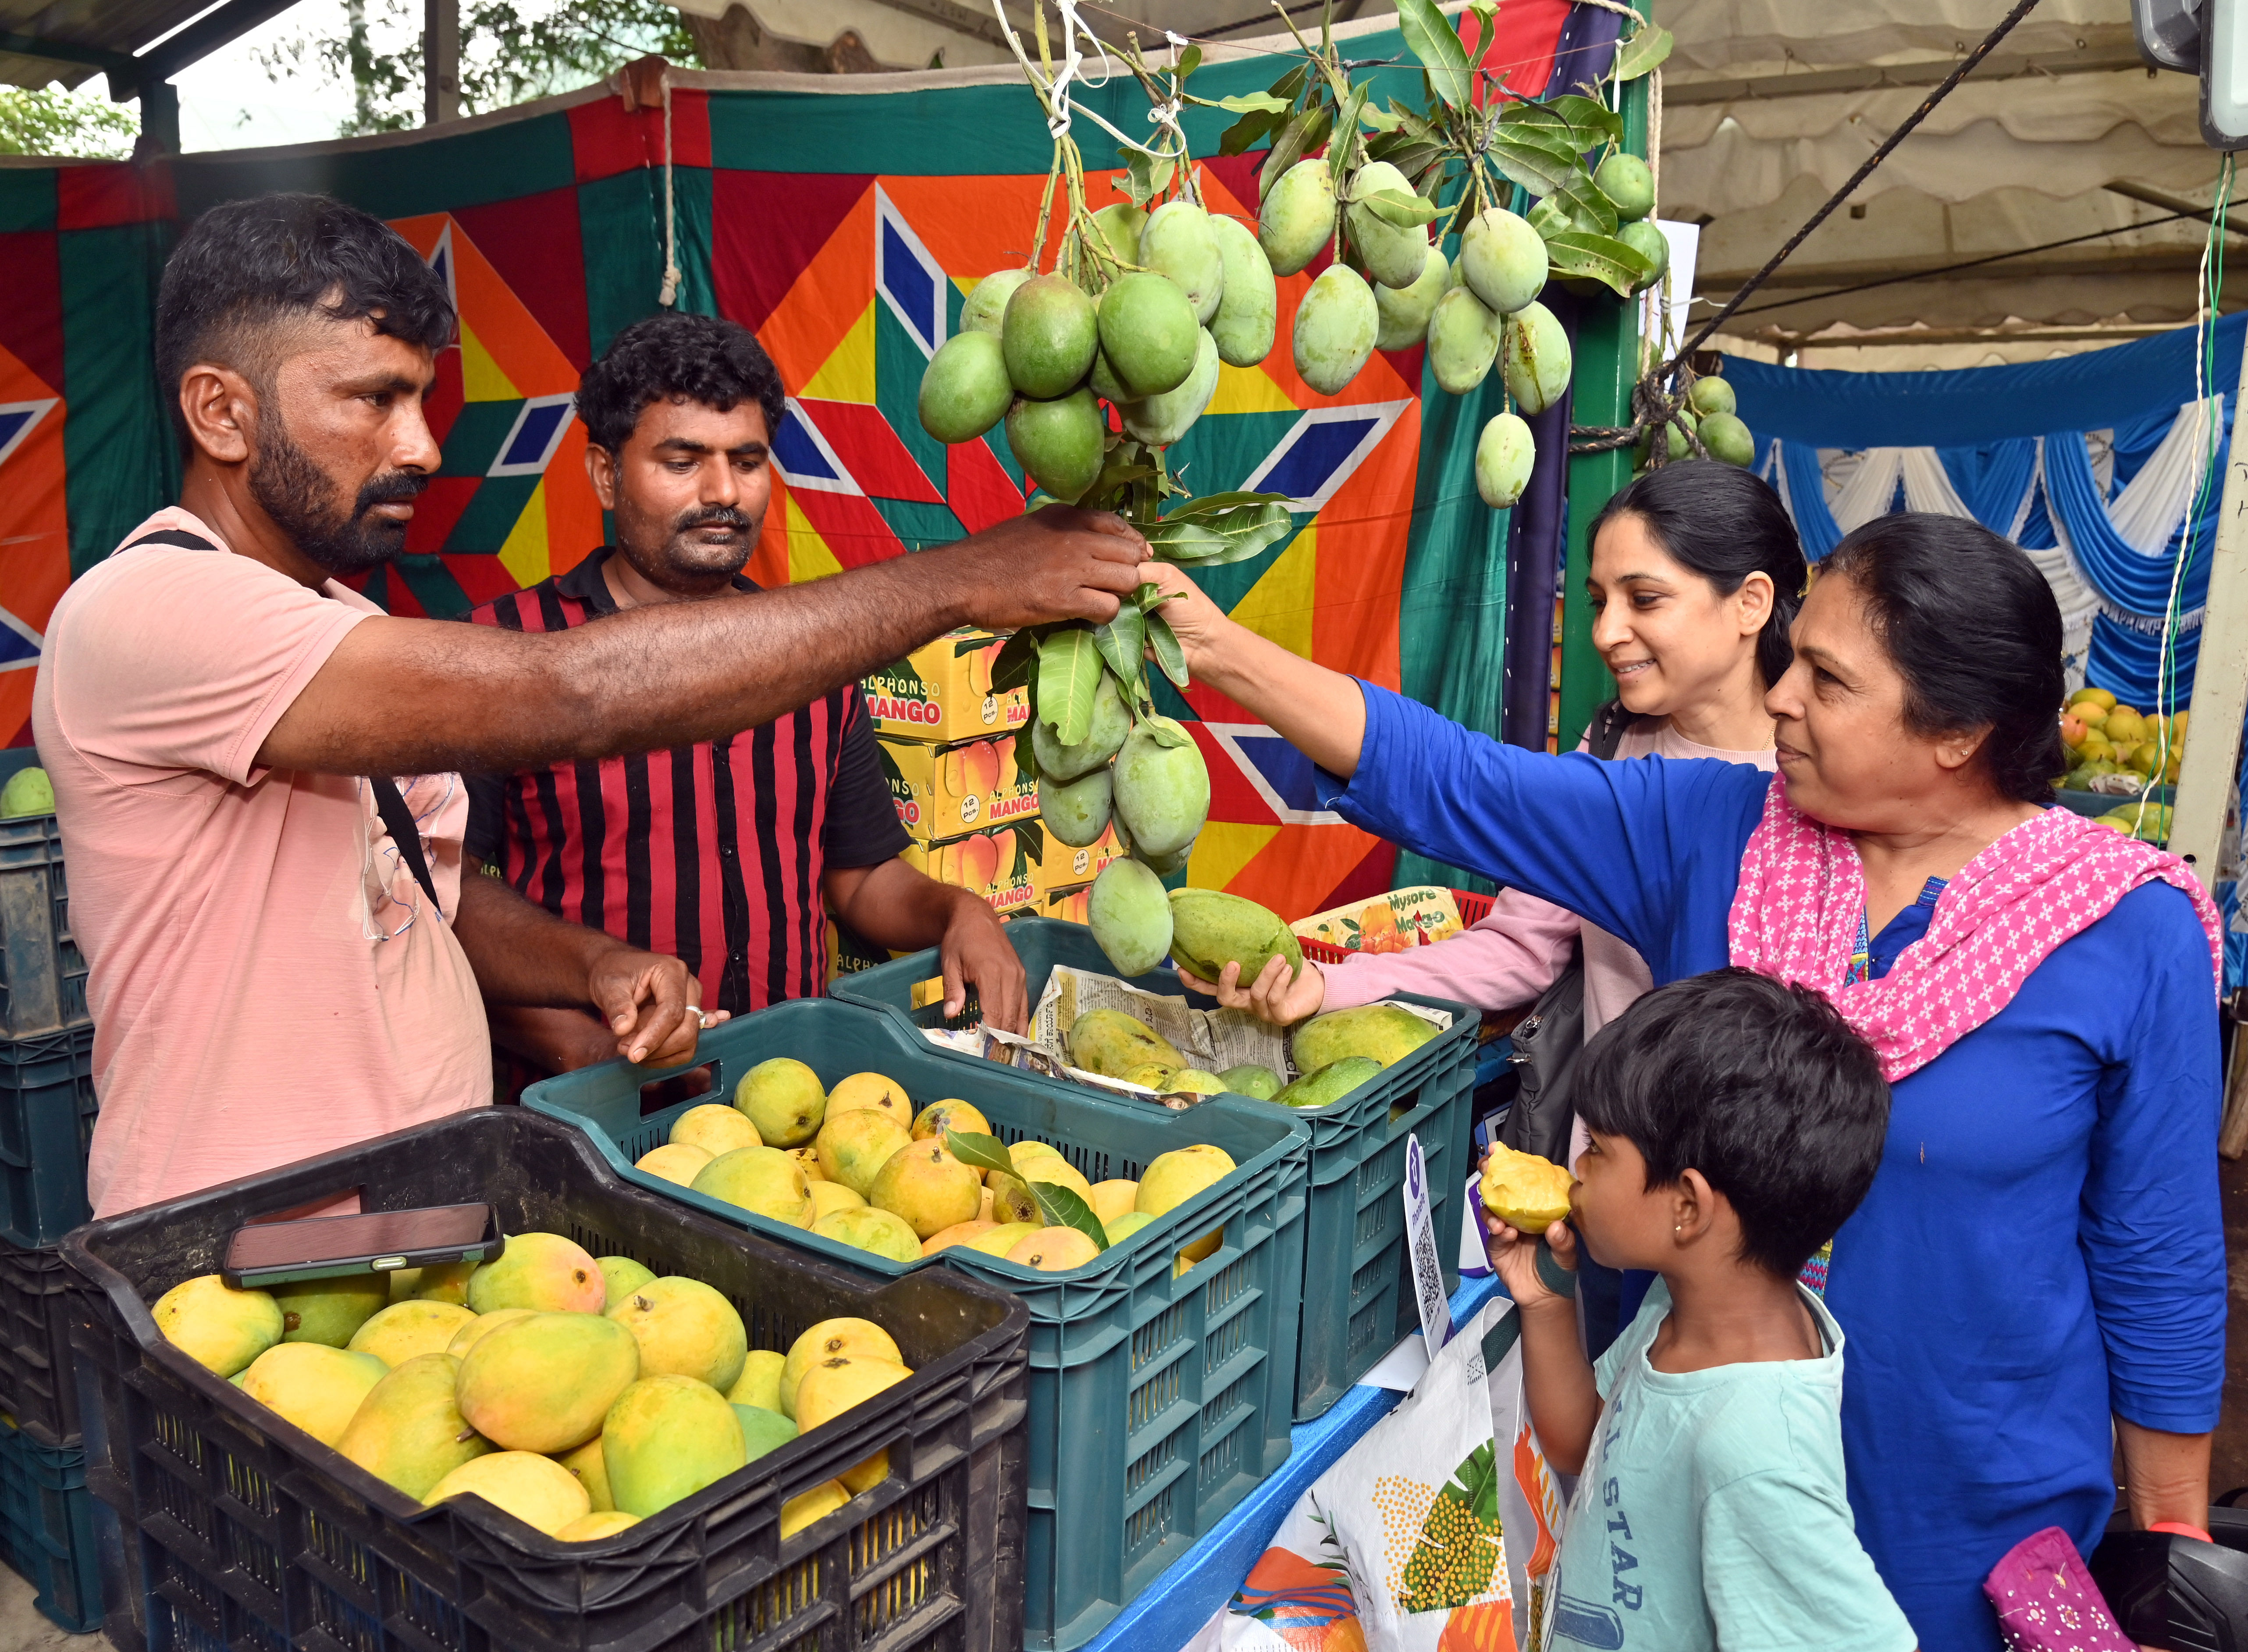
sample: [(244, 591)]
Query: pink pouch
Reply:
[(2046, 1601)]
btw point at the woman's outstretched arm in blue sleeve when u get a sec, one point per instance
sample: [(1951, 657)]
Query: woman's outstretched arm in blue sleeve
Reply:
[(1607, 840)]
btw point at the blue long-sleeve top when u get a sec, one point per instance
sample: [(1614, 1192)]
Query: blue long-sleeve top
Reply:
[(2043, 1245)]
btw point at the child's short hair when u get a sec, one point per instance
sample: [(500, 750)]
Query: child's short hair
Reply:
[(1762, 1089)]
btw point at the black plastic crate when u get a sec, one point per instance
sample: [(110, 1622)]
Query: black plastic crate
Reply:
[(46, 1123), (37, 1390), (240, 1532), (42, 971), (46, 1528)]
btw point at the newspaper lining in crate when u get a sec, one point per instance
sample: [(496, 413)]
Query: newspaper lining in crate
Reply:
[(1211, 1040)]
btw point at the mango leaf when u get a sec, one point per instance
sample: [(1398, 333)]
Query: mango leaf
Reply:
[(1304, 131), (1648, 46), (1123, 645), (1587, 116), (1379, 120), (1213, 540), (1345, 129), (1166, 732), (1396, 207), (1213, 503), (1615, 263), (1057, 1206), (1124, 462), (1587, 207), (1069, 674), (1169, 654), (1430, 36), (1523, 157), (1030, 842), (1017, 661), (1189, 60), (1146, 176), (1290, 86), (1238, 137), (1245, 102)]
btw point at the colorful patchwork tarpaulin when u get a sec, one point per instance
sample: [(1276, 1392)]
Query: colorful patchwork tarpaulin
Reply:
[(843, 218)]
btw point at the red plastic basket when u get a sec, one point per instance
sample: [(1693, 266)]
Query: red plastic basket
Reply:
[(1474, 908)]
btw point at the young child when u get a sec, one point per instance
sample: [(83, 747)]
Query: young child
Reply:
[(1735, 1124)]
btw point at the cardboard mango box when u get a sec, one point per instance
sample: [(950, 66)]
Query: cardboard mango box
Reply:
[(942, 692), (943, 791), (1001, 864), (1391, 923), (1066, 866)]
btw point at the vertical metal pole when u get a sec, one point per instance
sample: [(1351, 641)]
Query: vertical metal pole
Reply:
[(440, 61), (160, 120), (2208, 773)]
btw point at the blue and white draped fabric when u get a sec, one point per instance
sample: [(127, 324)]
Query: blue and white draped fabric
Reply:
[(2007, 447)]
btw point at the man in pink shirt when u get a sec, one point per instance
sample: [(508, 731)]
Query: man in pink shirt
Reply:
[(272, 971)]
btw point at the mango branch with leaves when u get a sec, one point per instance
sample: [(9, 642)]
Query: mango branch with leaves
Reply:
[(1101, 352)]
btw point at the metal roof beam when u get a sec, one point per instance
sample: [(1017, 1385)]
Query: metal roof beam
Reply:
[(2100, 49), (198, 40), (31, 45)]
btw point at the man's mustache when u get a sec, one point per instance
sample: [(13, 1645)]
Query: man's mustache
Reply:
[(390, 488), (717, 515)]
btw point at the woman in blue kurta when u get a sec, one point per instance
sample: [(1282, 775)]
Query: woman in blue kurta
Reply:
[(2037, 1275)]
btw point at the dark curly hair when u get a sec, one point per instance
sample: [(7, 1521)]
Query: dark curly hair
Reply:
[(1975, 631), (1724, 523), (690, 358), (247, 272)]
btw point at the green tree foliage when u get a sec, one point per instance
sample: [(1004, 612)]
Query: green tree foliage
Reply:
[(56, 122), (511, 51)]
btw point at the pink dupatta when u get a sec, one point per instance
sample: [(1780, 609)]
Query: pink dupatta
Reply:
[(1802, 890)]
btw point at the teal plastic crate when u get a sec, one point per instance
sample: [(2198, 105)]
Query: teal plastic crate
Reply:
[(46, 1528), (1355, 1227), (42, 971), (1157, 1403), (46, 1123)]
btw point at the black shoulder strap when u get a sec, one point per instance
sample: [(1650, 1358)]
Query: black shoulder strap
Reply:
[(1609, 724), (397, 819)]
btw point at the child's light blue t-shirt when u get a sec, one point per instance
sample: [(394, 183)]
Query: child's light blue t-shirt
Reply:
[(1711, 1511)]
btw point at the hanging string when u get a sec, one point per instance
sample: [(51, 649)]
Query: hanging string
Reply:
[(668, 294)]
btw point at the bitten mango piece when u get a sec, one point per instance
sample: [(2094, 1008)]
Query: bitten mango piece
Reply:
[(1523, 1191)]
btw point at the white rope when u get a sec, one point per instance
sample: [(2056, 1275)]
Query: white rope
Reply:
[(668, 294)]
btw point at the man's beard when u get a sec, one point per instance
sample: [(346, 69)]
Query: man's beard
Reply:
[(302, 500), (685, 554)]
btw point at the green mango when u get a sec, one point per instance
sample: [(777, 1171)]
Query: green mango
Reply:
[(1249, 313), (1336, 324), (1059, 442), (1112, 721), (1628, 182), (1114, 1045), (1711, 394), (1298, 217), (1148, 333), (330, 1310), (1178, 242), (964, 390), (1077, 812), (1210, 930), (1404, 312), (1162, 793), (1381, 1032), (1105, 383), (1642, 237), (28, 791), (1163, 865), (1130, 919), (1727, 439), (1249, 1079), (1161, 420), (1323, 1086), (1049, 335), (1502, 260), (1195, 1081), (1538, 361), (1394, 254), (1120, 225), (986, 308), (1463, 341), (1506, 454)]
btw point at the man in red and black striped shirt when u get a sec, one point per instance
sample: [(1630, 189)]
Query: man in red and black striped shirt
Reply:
[(723, 851)]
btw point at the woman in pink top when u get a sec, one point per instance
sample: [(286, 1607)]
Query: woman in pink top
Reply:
[(1696, 575)]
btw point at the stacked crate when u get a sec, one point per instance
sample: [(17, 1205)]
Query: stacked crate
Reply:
[(46, 1118), (948, 743)]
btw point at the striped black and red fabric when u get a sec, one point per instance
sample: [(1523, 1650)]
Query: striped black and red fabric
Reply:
[(712, 853)]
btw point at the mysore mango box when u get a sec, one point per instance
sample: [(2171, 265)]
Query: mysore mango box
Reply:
[(943, 791), (943, 692)]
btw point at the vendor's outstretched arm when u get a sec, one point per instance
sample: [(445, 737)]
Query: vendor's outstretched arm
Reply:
[(418, 697)]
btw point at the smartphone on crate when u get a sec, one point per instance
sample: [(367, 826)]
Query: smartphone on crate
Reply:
[(329, 1247)]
